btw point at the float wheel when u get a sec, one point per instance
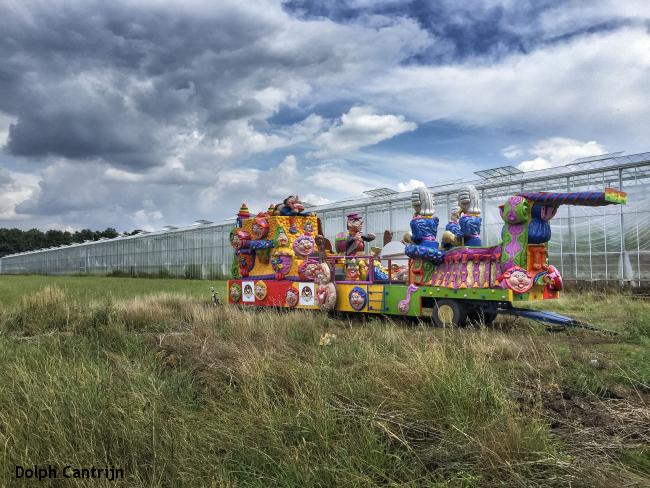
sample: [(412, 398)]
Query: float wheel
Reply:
[(449, 313)]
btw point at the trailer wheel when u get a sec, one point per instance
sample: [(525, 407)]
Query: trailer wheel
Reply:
[(449, 313), (482, 316)]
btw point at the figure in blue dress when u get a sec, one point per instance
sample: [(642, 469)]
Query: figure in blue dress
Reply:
[(470, 220), (452, 235), (424, 227)]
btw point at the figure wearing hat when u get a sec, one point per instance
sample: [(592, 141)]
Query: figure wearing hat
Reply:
[(355, 242), (291, 207)]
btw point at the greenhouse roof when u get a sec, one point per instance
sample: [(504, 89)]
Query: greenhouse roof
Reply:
[(576, 172)]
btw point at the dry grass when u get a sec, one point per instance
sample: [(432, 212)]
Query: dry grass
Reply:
[(180, 393)]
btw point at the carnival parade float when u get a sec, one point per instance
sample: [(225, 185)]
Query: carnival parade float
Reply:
[(284, 260)]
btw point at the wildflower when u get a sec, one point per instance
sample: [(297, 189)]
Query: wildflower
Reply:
[(327, 339)]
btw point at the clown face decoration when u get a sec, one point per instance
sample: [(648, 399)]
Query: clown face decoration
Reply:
[(291, 298), (246, 263), (517, 279), (352, 271), (304, 246), (307, 270), (239, 238), (281, 264), (358, 298), (294, 203), (554, 279), (355, 223), (308, 228), (260, 290), (235, 292), (260, 227), (281, 238)]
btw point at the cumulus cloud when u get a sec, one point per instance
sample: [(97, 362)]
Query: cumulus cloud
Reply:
[(148, 218), (15, 188), (360, 127), (193, 105), (411, 184), (118, 81), (566, 87), (513, 151), (556, 151)]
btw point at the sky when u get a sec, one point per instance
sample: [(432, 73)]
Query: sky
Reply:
[(139, 114)]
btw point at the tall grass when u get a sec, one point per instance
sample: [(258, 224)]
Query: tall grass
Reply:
[(178, 393)]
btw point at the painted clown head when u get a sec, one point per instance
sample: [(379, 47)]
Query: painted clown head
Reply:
[(294, 203), (517, 279), (355, 222)]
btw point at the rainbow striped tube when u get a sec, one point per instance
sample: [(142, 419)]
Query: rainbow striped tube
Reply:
[(610, 196)]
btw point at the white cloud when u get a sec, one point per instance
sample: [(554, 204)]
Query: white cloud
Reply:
[(145, 219), (411, 184), (556, 151), (360, 127), (15, 188), (512, 152), (577, 14), (5, 122), (591, 83)]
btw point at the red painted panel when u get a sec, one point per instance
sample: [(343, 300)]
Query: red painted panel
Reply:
[(275, 296)]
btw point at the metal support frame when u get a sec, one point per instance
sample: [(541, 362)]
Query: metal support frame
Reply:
[(630, 171)]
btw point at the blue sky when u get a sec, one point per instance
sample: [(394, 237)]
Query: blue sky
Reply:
[(138, 114)]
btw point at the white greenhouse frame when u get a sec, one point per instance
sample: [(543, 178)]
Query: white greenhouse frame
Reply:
[(608, 244)]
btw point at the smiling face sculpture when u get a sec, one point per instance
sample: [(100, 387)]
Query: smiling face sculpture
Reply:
[(357, 298), (260, 227), (517, 279), (304, 246), (308, 269)]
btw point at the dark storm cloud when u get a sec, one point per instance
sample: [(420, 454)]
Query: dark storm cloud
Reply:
[(112, 81), (5, 178)]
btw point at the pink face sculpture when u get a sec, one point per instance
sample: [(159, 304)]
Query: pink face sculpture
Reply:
[(260, 227), (323, 274), (326, 290), (293, 202), (554, 279), (291, 298), (307, 270), (517, 279), (238, 238), (304, 246)]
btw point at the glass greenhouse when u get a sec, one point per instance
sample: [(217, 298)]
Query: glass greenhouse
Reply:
[(589, 243)]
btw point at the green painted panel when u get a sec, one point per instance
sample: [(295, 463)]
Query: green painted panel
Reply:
[(396, 293)]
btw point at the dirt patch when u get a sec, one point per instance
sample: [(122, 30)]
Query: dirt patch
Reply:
[(590, 424)]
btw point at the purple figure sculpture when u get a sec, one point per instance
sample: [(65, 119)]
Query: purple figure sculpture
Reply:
[(355, 242)]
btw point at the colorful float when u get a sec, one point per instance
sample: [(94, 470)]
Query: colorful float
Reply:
[(284, 260)]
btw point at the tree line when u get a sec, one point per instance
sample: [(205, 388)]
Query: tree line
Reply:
[(16, 240)]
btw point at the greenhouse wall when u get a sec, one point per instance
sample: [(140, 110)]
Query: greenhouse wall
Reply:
[(608, 244)]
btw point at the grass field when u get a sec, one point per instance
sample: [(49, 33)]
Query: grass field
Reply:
[(144, 375)]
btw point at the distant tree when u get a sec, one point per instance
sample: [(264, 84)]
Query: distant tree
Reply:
[(15, 240)]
